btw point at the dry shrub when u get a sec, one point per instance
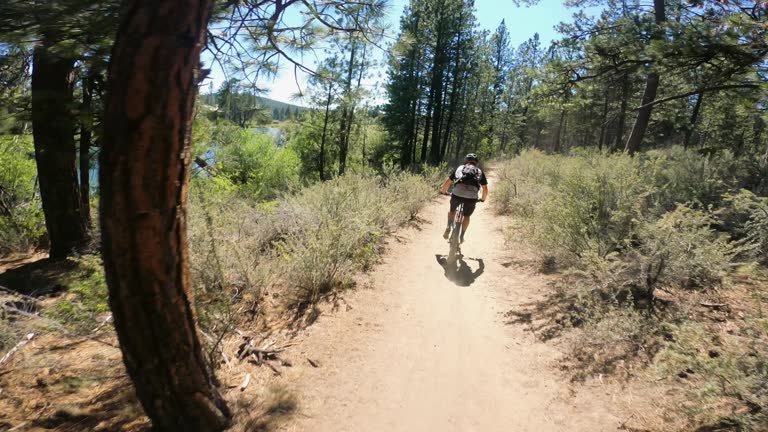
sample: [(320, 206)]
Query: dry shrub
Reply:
[(299, 247), (647, 240), (277, 406), (335, 230), (725, 375)]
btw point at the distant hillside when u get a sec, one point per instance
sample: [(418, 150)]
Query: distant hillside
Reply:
[(272, 104), (210, 99)]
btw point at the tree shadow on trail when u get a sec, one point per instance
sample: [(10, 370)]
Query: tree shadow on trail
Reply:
[(461, 274), (37, 278)]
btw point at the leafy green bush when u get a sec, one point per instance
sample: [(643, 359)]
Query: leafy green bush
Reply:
[(21, 215), (255, 164), (675, 176), (641, 232)]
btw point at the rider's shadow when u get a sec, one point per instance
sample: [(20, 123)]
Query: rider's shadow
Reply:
[(461, 274)]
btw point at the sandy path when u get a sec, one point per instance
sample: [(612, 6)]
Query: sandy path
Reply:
[(420, 352)]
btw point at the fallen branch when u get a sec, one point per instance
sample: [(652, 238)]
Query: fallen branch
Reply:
[(714, 305), (25, 314), (18, 294), (247, 350), (274, 369), (246, 381), (103, 323), (18, 346), (313, 363)]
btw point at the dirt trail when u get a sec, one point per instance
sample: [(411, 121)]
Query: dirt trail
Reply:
[(420, 352)]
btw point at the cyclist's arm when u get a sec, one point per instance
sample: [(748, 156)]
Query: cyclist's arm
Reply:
[(485, 191), (446, 185)]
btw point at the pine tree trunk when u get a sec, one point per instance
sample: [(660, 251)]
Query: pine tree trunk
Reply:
[(692, 123), (345, 120), (321, 167), (144, 175), (603, 121), (85, 148), (558, 133), (407, 150), (622, 112), (427, 126), (436, 94), (643, 114), (651, 87), (53, 127)]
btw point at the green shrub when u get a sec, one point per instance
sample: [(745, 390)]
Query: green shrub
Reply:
[(727, 377), (334, 229), (86, 299), (21, 215), (691, 252), (255, 164), (677, 176), (752, 210), (585, 204), (298, 247)]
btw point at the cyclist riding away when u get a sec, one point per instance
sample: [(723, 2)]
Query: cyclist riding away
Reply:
[(467, 181)]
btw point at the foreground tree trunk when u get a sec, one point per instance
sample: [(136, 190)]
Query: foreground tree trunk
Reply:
[(144, 175), (53, 127)]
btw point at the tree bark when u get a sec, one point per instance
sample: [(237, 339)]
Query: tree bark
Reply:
[(321, 167), (345, 120), (622, 112), (558, 133), (53, 127), (692, 124), (144, 177), (651, 87), (86, 123), (603, 121), (436, 97), (427, 125)]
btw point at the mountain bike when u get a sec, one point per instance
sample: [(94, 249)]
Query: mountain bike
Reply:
[(454, 250)]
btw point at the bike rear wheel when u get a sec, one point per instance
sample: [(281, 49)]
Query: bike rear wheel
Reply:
[(453, 251)]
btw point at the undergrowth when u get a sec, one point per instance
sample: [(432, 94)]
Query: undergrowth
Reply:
[(247, 256), (85, 303), (655, 253)]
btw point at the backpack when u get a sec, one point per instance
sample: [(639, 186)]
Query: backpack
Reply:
[(469, 175)]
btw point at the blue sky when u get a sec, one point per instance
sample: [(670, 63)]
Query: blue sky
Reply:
[(522, 22)]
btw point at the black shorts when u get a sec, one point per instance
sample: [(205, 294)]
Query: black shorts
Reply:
[(469, 204)]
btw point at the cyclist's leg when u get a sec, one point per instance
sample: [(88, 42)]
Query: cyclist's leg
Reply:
[(451, 214), (469, 208)]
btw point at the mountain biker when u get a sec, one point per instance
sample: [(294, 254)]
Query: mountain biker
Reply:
[(467, 179)]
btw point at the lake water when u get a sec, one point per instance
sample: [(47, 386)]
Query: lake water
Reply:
[(277, 135)]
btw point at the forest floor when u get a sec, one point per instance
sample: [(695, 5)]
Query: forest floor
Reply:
[(414, 348)]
